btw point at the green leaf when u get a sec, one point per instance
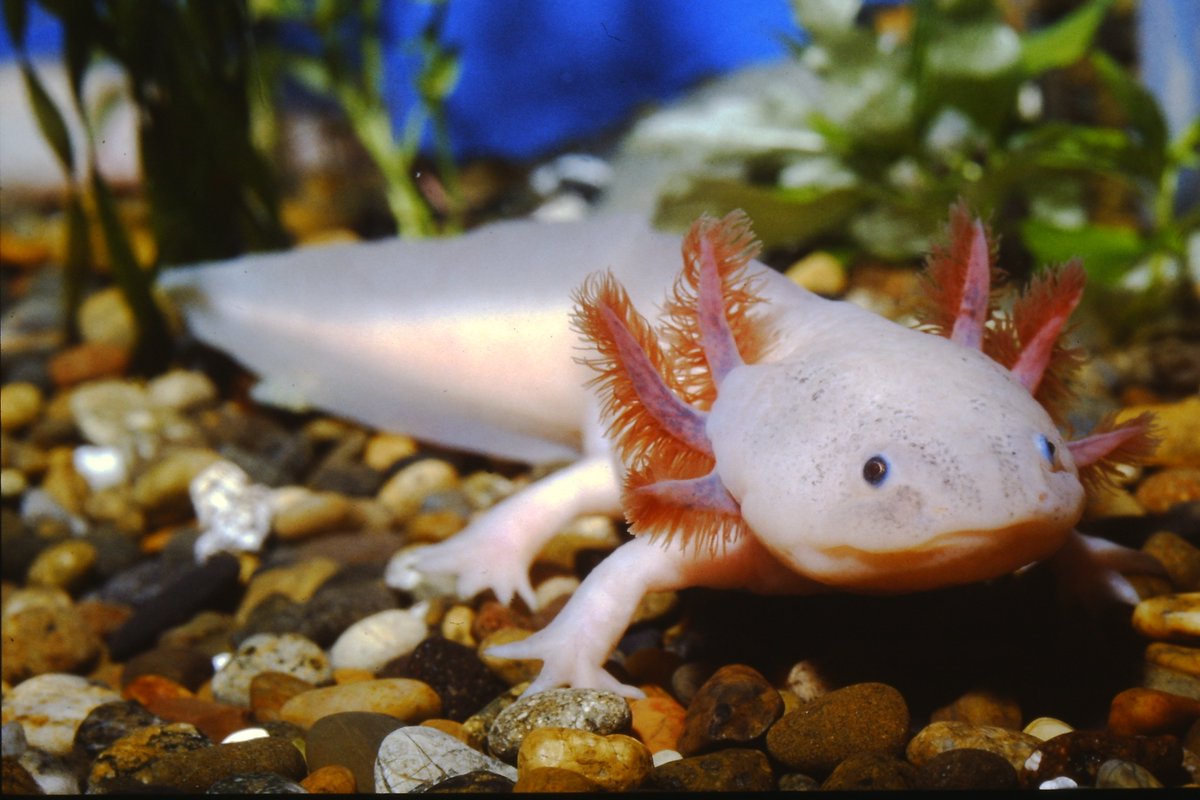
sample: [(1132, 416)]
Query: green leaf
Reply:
[(50, 120), (1064, 42), (1145, 117), (16, 18), (1108, 252)]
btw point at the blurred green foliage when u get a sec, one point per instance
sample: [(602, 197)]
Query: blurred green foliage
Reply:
[(955, 108)]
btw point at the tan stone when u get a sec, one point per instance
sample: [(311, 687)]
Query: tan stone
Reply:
[(615, 762)]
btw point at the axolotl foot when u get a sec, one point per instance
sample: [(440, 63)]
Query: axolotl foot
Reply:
[(477, 563), (1090, 570), (566, 661)]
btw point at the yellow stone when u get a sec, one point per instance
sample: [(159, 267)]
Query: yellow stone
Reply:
[(1174, 657), (1168, 616), (511, 671), (406, 699), (1046, 728), (1179, 425), (297, 582), (63, 564), (385, 449), (407, 489), (819, 272), (456, 625), (20, 404), (615, 762)]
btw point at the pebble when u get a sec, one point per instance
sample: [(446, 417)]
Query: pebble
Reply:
[(64, 565), (1170, 681), (197, 770), (53, 774), (1174, 657), (330, 779), (966, 769), (807, 681), (938, 737), (405, 491), (1168, 616), (475, 727), (1149, 711), (186, 666), (819, 272), (298, 582), (20, 405), (12, 740), (981, 707), (105, 412), (349, 739), (554, 780), (478, 781), (87, 362), (44, 636), (104, 317), (732, 770), (820, 734), (289, 653), (615, 762), (306, 513), (339, 603), (16, 780), (455, 672), (385, 450), (415, 756), (373, 641), (456, 626), (163, 490), (590, 710), (1162, 490), (215, 720), (270, 690), (1118, 774), (1046, 728), (116, 768), (688, 678), (735, 706), (1179, 557), (657, 719), (147, 689), (871, 772), (182, 390), (256, 783), (511, 671), (1079, 754), (403, 698)]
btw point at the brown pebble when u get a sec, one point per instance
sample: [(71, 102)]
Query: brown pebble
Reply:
[(40, 639), (87, 361), (1078, 755), (554, 780), (1160, 491), (330, 779), (270, 690), (735, 706), (871, 772), (118, 765), (16, 780), (409, 700), (822, 733), (966, 769), (1179, 557), (658, 719), (1149, 711), (736, 769), (199, 769), (215, 720), (1175, 657), (981, 707), (147, 689)]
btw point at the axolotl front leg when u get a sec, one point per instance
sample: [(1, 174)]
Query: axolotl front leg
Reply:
[(496, 550)]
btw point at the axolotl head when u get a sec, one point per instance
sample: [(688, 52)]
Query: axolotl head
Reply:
[(892, 460)]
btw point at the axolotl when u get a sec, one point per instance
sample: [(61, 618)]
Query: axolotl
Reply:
[(758, 437)]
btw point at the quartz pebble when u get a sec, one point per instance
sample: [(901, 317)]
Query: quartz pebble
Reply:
[(405, 699), (589, 710), (412, 757), (373, 641), (51, 707), (615, 762), (736, 705), (816, 737), (938, 737), (1117, 774), (288, 653)]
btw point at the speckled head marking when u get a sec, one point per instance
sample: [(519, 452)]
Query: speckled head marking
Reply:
[(862, 453)]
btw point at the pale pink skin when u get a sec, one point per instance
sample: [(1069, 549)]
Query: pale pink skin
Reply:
[(466, 342)]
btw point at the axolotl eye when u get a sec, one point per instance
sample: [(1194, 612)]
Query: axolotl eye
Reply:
[(875, 470), (1047, 449)]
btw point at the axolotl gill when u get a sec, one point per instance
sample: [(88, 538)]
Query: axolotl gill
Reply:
[(757, 437)]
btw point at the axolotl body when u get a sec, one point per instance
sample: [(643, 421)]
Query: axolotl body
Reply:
[(760, 437)]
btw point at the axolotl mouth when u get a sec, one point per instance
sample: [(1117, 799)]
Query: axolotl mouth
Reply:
[(952, 558)]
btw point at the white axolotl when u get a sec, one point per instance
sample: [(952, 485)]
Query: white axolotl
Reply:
[(765, 438)]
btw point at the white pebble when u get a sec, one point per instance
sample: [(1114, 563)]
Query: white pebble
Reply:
[(666, 757), (245, 735), (373, 641), (102, 466)]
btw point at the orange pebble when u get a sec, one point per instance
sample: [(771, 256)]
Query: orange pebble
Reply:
[(1141, 711), (148, 689), (330, 779), (658, 719)]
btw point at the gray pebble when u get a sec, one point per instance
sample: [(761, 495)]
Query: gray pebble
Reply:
[(589, 710), (289, 653)]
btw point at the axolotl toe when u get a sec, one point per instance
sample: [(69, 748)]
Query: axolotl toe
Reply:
[(757, 437)]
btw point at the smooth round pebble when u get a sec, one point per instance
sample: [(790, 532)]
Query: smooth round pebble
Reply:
[(63, 565), (288, 653), (187, 666), (270, 690), (1168, 616), (181, 390), (373, 641), (616, 762), (589, 710), (20, 405), (732, 770), (658, 720), (553, 780), (405, 491), (1117, 774), (822, 733), (51, 707), (330, 779), (405, 699), (1179, 557), (1149, 711), (306, 513), (45, 638), (736, 705), (349, 739), (938, 737), (414, 756), (197, 770), (1046, 728), (298, 582)]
